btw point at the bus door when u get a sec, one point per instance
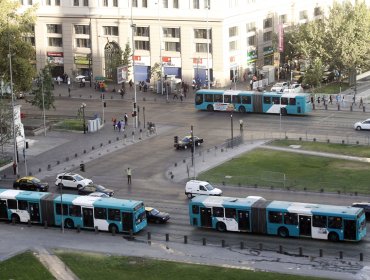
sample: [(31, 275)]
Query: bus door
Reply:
[(88, 217), (350, 230), (34, 210), (305, 225), (243, 220), (3, 210), (205, 217), (127, 221), (257, 103)]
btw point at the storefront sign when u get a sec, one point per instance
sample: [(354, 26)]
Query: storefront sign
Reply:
[(202, 63), (142, 60), (252, 56), (268, 51), (55, 58), (171, 61), (82, 59)]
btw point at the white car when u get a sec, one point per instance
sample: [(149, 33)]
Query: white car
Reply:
[(362, 125), (71, 180), (296, 88), (195, 187), (279, 87)]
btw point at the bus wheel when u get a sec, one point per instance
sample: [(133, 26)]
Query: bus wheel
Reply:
[(69, 223), (15, 219), (283, 232), (113, 228), (209, 107), (333, 237), (221, 226), (241, 109)]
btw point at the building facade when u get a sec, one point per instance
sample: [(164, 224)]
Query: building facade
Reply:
[(84, 36)]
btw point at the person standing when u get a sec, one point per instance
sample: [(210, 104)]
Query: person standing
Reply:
[(251, 84), (361, 103), (129, 173), (119, 126), (114, 120), (126, 119)]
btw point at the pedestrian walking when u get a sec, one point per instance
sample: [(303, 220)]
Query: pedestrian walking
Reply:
[(119, 126), (114, 121), (181, 96), (330, 99), (126, 119), (129, 173), (251, 84), (318, 100), (130, 83), (175, 95), (361, 103)]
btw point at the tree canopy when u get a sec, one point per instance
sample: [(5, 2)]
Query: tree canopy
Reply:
[(15, 25)]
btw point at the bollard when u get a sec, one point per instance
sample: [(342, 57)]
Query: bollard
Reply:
[(204, 241), (29, 223), (45, 224), (39, 169), (300, 252), (363, 109), (117, 139), (109, 141), (260, 246), (185, 239), (338, 107), (84, 151), (280, 249), (361, 257), (101, 144), (96, 229), (92, 148), (167, 237), (78, 228), (223, 243), (241, 245), (175, 164), (341, 255), (326, 107), (149, 236), (49, 167), (321, 253), (351, 108), (76, 155)]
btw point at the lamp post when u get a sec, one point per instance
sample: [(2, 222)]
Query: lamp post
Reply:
[(43, 103), (232, 131), (160, 51), (83, 105), (208, 74), (90, 54), (133, 26), (192, 150)]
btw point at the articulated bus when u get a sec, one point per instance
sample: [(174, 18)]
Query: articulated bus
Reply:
[(254, 214), (253, 102), (107, 214)]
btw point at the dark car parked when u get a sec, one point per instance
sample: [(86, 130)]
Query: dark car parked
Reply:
[(155, 216), (365, 206), (30, 183), (187, 142), (95, 188)]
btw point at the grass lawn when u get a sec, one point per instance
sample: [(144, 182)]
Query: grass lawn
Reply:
[(341, 149), (332, 88), (70, 124), (114, 267), (266, 168), (24, 267)]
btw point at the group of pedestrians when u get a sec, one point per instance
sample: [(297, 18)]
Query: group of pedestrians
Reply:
[(120, 125), (338, 98)]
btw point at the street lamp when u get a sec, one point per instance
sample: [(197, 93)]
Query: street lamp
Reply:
[(83, 105), (208, 74), (160, 53), (133, 26), (43, 102), (232, 131)]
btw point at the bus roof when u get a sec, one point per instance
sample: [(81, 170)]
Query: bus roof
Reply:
[(312, 208), (226, 201), (18, 194), (236, 92)]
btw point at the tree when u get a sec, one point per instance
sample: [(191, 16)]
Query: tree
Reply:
[(127, 57), (314, 73), (6, 132), (14, 26), (44, 97)]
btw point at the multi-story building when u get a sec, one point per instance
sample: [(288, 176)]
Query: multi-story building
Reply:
[(82, 36)]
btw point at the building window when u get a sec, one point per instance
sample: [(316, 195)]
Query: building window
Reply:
[(283, 19), (207, 4), (233, 31), (30, 40), (171, 32), (165, 3), (55, 42), (303, 15), (252, 40), (251, 27), (144, 4), (115, 3), (105, 3), (82, 43), (76, 2), (82, 29), (110, 30), (57, 2), (267, 23), (195, 4), (142, 31), (233, 45), (175, 4), (202, 47), (86, 3), (48, 2), (142, 45), (54, 28), (267, 36), (201, 34), (134, 3), (317, 11), (172, 46)]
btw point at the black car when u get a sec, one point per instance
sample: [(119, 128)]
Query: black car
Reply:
[(187, 142), (95, 188), (155, 216), (365, 206), (30, 183)]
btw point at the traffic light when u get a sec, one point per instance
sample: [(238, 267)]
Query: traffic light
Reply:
[(105, 104), (176, 139), (82, 167)]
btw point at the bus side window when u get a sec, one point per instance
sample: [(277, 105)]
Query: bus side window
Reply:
[(227, 98), (335, 222), (275, 217), (267, 100), (246, 99), (276, 100), (218, 98), (284, 101), (290, 218), (58, 210), (208, 97), (198, 98), (319, 221), (292, 101), (218, 212), (230, 213), (12, 204), (195, 209), (100, 213), (236, 99), (22, 205), (75, 210)]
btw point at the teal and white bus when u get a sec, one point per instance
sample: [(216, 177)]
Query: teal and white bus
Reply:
[(253, 102), (106, 214), (254, 214)]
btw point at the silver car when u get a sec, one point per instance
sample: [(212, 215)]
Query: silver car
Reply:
[(362, 125)]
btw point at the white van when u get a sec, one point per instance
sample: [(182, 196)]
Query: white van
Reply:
[(195, 187)]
